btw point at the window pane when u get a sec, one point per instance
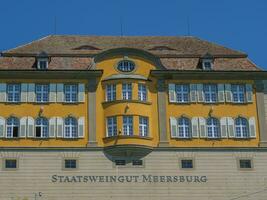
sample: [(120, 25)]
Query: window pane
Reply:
[(70, 164), (245, 164), (187, 164), (11, 163)]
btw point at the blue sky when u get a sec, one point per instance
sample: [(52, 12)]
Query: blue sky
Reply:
[(238, 24)]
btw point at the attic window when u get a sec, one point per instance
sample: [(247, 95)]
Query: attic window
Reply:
[(42, 63), (86, 47), (161, 48), (207, 64)]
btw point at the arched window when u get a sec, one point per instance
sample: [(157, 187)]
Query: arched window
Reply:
[(41, 127), (126, 66), (241, 127), (213, 127), (183, 127), (12, 127), (71, 128)]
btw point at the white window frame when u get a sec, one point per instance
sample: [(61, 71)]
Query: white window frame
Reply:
[(183, 93), (44, 94), (241, 127), (72, 92), (210, 92), (238, 93), (143, 126), (128, 125), (213, 128), (127, 90), (142, 92), (110, 92), (41, 61), (44, 128), (126, 66), (209, 61), (184, 127), (12, 125), (11, 90), (111, 126), (72, 127)]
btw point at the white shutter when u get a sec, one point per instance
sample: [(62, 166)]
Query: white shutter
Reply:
[(202, 127), (23, 127), (249, 93), (173, 126), (30, 128), (2, 92), (231, 127), (252, 127), (221, 92), (52, 127), (60, 92), (81, 93), (52, 92), (200, 93), (2, 127), (195, 132), (24, 90), (60, 127), (193, 92), (172, 93), (31, 92), (223, 123), (228, 93), (81, 127)]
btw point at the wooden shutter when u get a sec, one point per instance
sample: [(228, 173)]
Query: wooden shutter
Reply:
[(231, 127), (228, 93), (195, 132), (200, 93), (252, 127), (31, 92), (173, 127), (202, 127), (172, 93), (249, 93), (52, 92), (60, 92), (223, 123), (24, 90), (81, 93), (30, 127), (23, 127), (81, 127), (60, 127), (2, 92), (52, 127), (193, 92), (2, 127), (221, 92)]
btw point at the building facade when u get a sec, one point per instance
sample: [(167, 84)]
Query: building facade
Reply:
[(102, 117)]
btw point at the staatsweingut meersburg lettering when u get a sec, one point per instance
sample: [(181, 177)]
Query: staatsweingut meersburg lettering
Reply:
[(128, 179)]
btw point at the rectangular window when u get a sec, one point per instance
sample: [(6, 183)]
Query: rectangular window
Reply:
[(10, 164), (143, 126), (187, 164), (137, 162), (238, 91), (182, 93), (111, 126), (128, 125), (71, 93), (126, 91), (13, 92), (142, 92), (42, 93), (245, 164), (111, 92), (70, 164), (210, 93), (120, 162)]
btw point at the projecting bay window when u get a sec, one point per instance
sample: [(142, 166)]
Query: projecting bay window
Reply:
[(111, 126), (142, 92), (41, 127), (238, 92), (110, 92), (12, 127), (71, 93), (182, 93), (42, 93), (143, 126), (13, 93), (126, 91), (213, 127), (71, 128), (128, 125), (210, 93)]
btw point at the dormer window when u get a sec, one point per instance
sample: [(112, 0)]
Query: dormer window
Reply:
[(207, 64), (42, 63)]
